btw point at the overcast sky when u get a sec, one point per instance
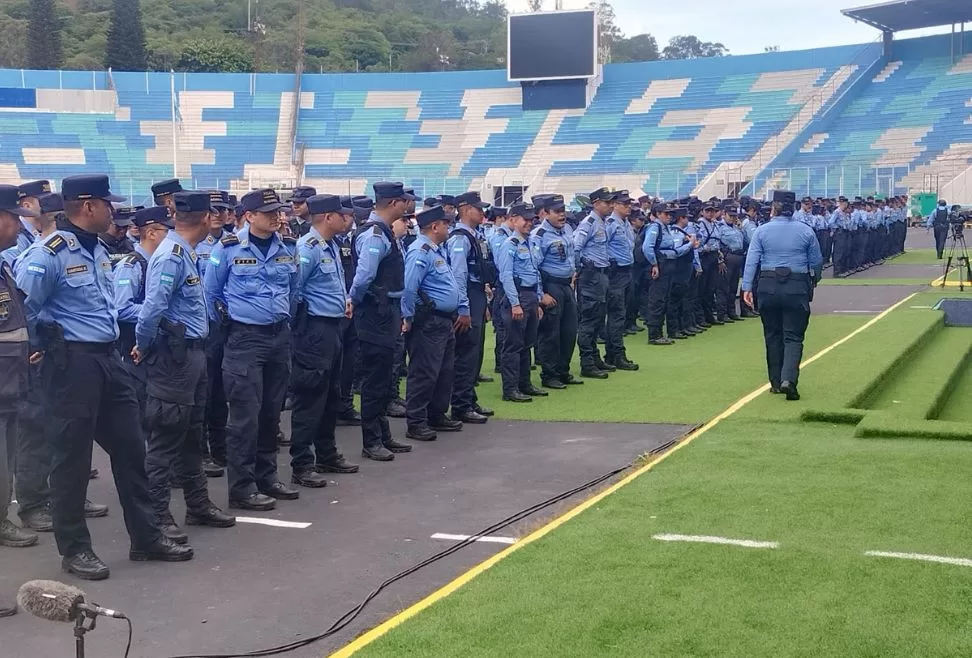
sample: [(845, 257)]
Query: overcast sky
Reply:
[(744, 26)]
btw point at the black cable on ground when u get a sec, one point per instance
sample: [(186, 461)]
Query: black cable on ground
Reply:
[(344, 620)]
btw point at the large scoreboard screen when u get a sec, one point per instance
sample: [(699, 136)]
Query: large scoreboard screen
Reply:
[(553, 45)]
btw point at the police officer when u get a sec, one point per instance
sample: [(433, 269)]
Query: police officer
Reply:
[(318, 352), (938, 222), (70, 305), (661, 253), (170, 338), (501, 231), (517, 264), (843, 225), (430, 301), (733, 242), (26, 232), (590, 250), (252, 283), (620, 245), (116, 238), (680, 326), (710, 257), (473, 269), (300, 222), (750, 222), (361, 207), (375, 296), (163, 190), (786, 257), (557, 333)]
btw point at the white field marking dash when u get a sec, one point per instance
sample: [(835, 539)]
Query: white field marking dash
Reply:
[(273, 522), (922, 307), (488, 540), (957, 561), (706, 539)]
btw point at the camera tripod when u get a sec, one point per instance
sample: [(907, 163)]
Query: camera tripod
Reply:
[(956, 243)]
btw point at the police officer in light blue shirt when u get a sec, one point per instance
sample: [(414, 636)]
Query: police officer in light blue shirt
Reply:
[(170, 339), (522, 289), (661, 252), (72, 314), (252, 279), (218, 217), (10, 204), (786, 258), (318, 344), (733, 253), (590, 250), (501, 231), (620, 245), (805, 212), (430, 302)]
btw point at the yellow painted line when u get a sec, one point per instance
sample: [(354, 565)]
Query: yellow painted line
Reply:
[(367, 638)]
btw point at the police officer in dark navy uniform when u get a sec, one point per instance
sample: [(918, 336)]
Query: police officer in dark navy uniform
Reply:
[(300, 222), (938, 221), (785, 255), (116, 238), (473, 269), (73, 314), (251, 281), (170, 338), (431, 299), (375, 293), (318, 331)]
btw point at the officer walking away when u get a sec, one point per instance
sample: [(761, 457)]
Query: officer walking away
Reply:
[(785, 256), (522, 290), (473, 269), (620, 244), (430, 302), (375, 296), (938, 222), (590, 251), (170, 338), (72, 312), (252, 279), (300, 221), (318, 351), (557, 333)]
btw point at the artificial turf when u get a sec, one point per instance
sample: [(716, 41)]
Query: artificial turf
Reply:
[(860, 281), (685, 383), (924, 256), (600, 585)]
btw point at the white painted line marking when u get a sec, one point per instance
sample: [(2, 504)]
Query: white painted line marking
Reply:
[(957, 561), (487, 540), (922, 307), (706, 539), (272, 522)]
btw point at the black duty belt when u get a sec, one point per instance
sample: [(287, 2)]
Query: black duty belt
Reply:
[(532, 288), (622, 268), (558, 280), (273, 329), (448, 315), (320, 319), (90, 348), (795, 276)]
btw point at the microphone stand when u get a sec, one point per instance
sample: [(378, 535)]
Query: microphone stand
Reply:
[(80, 629)]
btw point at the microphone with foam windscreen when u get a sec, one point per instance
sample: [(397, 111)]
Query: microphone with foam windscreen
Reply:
[(54, 601)]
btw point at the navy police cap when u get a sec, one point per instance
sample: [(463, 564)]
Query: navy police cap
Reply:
[(498, 211), (659, 207), (363, 202), (123, 216), (34, 188), (523, 210), (391, 190), (471, 199), (302, 193), (168, 186), (10, 202), (430, 202), (154, 215), (88, 186), (51, 203), (784, 196), (601, 194), (447, 200), (427, 217), (219, 200), (192, 201), (320, 204), (261, 201)]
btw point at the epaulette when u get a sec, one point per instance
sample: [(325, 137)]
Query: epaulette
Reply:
[(177, 250), (541, 231), (515, 240), (55, 243), (589, 218), (289, 240), (129, 259), (376, 230), (426, 247), (313, 242), (230, 240)]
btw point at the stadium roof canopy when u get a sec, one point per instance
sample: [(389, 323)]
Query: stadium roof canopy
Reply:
[(912, 14)]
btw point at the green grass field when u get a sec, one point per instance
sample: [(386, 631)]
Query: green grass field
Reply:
[(602, 585)]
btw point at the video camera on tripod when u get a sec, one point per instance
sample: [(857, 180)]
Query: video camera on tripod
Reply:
[(956, 221)]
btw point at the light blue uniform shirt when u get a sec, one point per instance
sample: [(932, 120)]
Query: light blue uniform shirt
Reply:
[(67, 285), (620, 240), (731, 236), (321, 276), (708, 234), (681, 239), (205, 249), (749, 227), (174, 291), (804, 216), (662, 235), (427, 269), (25, 237), (371, 249), (497, 238), (458, 247), (843, 220), (782, 242), (556, 251), (128, 280), (256, 289), (517, 259), (590, 241)]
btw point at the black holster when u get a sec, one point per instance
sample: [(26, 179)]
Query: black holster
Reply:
[(175, 338), (300, 318), (51, 336)]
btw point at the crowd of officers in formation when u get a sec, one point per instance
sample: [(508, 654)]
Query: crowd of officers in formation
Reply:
[(174, 335)]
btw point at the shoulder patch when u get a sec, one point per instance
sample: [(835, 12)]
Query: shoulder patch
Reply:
[(55, 243), (589, 219), (376, 230), (515, 240), (230, 240), (541, 231), (426, 247), (177, 250), (130, 259), (289, 240), (313, 242)]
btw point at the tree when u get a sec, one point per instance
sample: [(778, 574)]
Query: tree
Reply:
[(43, 36), (690, 47), (535, 5), (639, 48), (125, 50), (214, 56), (771, 49), (608, 31)]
